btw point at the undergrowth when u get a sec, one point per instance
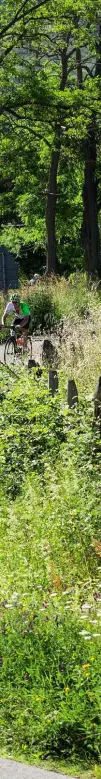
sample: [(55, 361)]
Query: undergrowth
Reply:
[(50, 598), (52, 300)]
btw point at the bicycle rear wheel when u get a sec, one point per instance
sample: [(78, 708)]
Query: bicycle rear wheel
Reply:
[(9, 352)]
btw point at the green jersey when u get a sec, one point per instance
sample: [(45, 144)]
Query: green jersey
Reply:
[(24, 309)]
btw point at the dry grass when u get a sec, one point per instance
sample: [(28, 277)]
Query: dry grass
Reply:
[(80, 351), (78, 305)]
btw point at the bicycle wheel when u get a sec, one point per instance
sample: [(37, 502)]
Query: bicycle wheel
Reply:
[(28, 349), (9, 352)]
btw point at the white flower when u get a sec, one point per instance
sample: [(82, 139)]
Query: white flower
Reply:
[(93, 621), (96, 635), (15, 596), (87, 638)]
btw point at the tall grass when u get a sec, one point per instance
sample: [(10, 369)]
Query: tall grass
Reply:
[(57, 298), (50, 598), (50, 546), (53, 299)]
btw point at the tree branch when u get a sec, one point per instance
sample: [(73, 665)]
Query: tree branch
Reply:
[(21, 119), (18, 15), (6, 52)]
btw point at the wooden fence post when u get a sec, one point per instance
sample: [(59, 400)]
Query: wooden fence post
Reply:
[(97, 403), (33, 364), (52, 381), (72, 393)]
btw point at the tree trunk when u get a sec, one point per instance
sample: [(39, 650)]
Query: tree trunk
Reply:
[(90, 231), (90, 228), (51, 210), (52, 184)]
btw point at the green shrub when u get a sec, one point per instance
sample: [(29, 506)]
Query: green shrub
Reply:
[(45, 313), (31, 429)]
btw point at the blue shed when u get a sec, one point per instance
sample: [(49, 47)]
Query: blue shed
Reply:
[(8, 270)]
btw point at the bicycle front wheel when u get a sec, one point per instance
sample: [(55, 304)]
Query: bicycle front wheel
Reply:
[(9, 352), (28, 349)]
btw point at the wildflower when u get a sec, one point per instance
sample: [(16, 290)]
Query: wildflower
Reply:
[(37, 698), (87, 638), (67, 689), (92, 659), (85, 665), (93, 621), (86, 606), (26, 677), (15, 596), (58, 582)]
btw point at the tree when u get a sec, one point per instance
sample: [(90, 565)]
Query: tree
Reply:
[(50, 118), (52, 184), (90, 228)]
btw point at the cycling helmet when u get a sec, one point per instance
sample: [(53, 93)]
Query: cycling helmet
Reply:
[(15, 298)]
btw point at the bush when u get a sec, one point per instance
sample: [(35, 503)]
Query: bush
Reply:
[(31, 429), (44, 309)]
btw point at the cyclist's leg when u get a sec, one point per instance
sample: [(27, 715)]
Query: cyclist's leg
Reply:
[(17, 321), (24, 327), (23, 323)]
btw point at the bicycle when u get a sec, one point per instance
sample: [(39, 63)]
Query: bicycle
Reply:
[(16, 349)]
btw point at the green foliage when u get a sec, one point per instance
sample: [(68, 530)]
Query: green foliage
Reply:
[(32, 107), (50, 652), (41, 718), (45, 313), (50, 552), (53, 300), (31, 428)]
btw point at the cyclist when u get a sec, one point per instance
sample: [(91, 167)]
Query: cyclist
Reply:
[(21, 311)]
